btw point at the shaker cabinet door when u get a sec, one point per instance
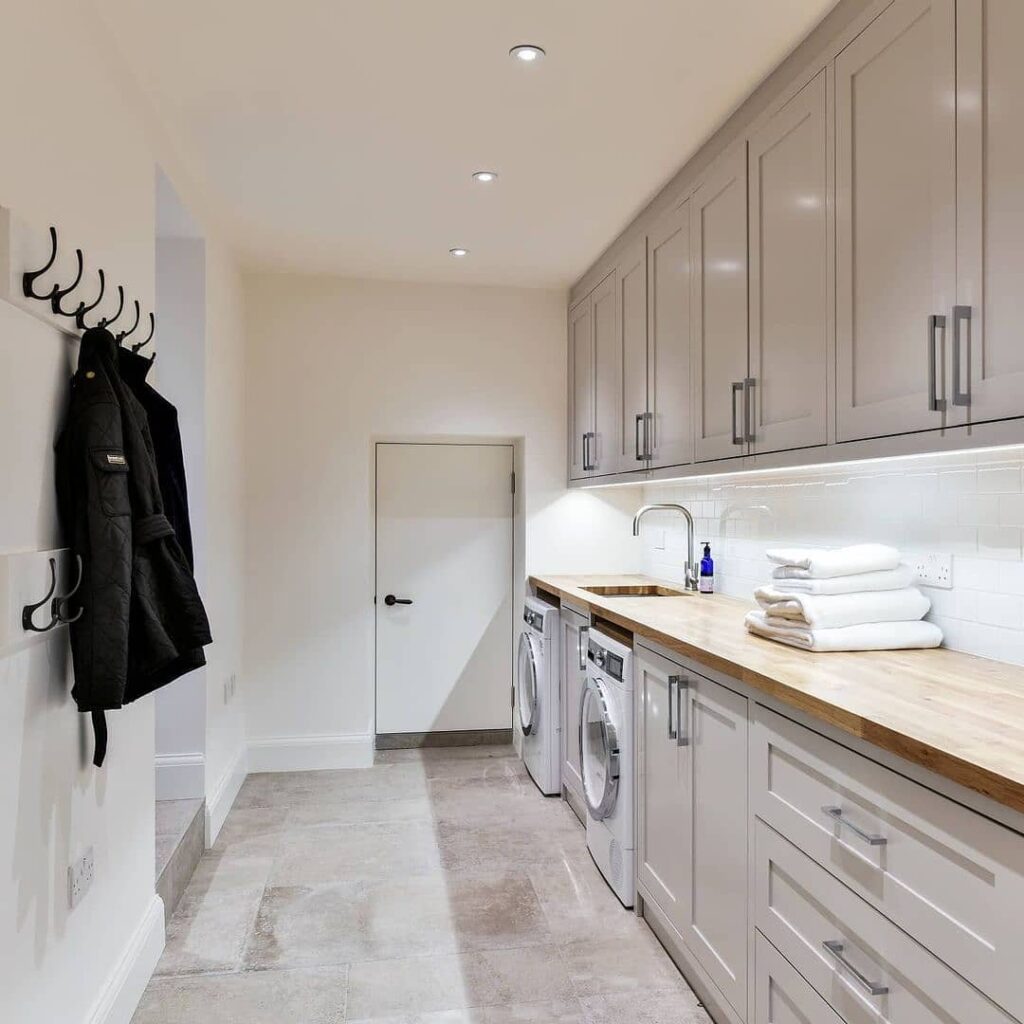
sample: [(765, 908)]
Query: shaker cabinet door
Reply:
[(986, 351), (789, 278), (604, 452), (895, 220), (719, 251), (581, 389), (670, 409)]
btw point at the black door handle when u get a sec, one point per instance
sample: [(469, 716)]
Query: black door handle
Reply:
[(391, 599)]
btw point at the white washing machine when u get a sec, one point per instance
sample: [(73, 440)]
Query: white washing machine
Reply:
[(538, 714), (606, 760)]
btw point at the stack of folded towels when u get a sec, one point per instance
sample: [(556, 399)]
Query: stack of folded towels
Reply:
[(859, 598)]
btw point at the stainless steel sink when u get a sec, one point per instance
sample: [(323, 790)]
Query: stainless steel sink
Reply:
[(637, 590)]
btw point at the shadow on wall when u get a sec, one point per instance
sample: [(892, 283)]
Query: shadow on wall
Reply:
[(42, 831)]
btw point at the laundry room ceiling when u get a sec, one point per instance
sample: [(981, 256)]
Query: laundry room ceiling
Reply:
[(338, 136)]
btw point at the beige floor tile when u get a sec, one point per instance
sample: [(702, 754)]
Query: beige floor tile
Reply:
[(469, 753), (346, 853), (508, 842), (433, 983), (567, 1012), (415, 916), (605, 966), (234, 865), (279, 997), (350, 812), (209, 932), (675, 1006)]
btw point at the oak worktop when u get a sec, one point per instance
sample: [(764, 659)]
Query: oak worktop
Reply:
[(955, 714)]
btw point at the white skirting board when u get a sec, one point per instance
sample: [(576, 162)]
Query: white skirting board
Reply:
[(310, 753), (221, 800), (180, 777), (121, 994)]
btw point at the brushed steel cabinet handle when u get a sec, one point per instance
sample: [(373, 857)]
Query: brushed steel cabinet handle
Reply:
[(871, 987), (581, 647), (682, 740), (649, 435), (641, 456), (836, 814), (936, 322), (737, 387), (673, 730), (588, 462), (748, 411), (961, 315)]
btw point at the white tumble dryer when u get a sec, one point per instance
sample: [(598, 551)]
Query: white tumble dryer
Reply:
[(536, 695), (606, 761)]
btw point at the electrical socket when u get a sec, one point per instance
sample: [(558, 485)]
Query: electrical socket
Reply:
[(80, 876), (934, 570)]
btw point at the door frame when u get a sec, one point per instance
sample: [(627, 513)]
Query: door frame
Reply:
[(517, 566)]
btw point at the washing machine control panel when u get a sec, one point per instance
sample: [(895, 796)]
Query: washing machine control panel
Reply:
[(610, 663), (533, 619)]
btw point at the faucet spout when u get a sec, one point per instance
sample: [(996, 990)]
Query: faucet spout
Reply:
[(691, 564)]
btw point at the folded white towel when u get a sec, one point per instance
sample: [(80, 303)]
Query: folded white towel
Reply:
[(821, 563), (835, 610), (858, 583), (869, 636)]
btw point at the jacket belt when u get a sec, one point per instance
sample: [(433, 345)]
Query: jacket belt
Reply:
[(151, 528)]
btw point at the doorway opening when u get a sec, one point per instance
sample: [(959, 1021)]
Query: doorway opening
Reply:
[(445, 515)]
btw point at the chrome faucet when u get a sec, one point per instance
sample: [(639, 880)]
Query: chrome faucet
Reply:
[(691, 565)]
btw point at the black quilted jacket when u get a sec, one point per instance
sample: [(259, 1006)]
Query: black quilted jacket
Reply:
[(143, 623)]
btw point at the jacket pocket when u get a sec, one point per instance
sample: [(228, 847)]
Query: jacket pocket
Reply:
[(110, 471)]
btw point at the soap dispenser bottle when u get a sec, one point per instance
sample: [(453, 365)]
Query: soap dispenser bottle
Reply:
[(707, 571)]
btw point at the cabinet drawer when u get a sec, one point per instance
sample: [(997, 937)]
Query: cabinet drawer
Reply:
[(782, 996), (951, 878), (866, 968)]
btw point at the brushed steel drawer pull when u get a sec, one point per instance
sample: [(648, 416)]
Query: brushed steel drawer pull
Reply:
[(836, 814), (871, 987)]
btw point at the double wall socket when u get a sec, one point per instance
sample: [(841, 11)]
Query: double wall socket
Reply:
[(933, 570), (80, 876)]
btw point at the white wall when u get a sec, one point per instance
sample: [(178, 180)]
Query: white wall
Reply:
[(333, 363), (968, 505), (79, 153)]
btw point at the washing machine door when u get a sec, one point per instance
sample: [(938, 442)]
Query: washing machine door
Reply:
[(526, 682), (599, 750)]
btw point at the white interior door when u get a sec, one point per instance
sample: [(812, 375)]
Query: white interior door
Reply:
[(444, 544)]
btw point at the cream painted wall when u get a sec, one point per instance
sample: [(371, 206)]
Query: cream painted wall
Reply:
[(78, 152), (333, 363)]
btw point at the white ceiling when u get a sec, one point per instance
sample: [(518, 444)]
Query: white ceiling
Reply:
[(339, 136)]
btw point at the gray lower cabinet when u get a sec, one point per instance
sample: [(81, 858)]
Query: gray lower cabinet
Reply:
[(986, 354), (790, 277), (572, 678), (718, 245), (692, 817), (895, 220), (781, 994)]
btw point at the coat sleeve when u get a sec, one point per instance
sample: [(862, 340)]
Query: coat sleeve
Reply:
[(97, 512)]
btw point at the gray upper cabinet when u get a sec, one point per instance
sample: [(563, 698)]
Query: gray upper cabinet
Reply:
[(789, 279), (718, 232), (669, 422), (895, 220), (634, 430), (605, 454), (581, 389), (986, 353)]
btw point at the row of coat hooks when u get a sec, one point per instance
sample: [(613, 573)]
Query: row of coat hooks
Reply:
[(57, 294)]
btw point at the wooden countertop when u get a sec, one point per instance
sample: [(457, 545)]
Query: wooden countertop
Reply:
[(954, 714)]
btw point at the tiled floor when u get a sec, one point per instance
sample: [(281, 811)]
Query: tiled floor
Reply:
[(434, 888)]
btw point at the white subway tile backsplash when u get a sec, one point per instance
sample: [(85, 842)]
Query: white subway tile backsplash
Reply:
[(970, 505)]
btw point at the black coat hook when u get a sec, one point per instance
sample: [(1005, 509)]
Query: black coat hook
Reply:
[(138, 316), (106, 321), (149, 338), (30, 609), (59, 607), (83, 308), (28, 278), (59, 293)]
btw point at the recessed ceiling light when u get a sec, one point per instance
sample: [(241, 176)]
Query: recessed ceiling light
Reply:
[(458, 252), (485, 176), (527, 53)]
